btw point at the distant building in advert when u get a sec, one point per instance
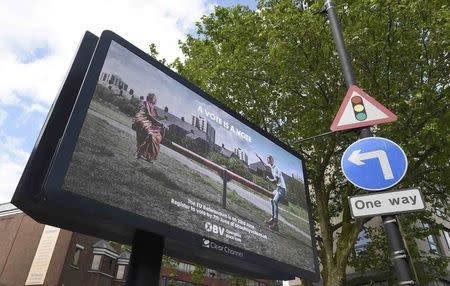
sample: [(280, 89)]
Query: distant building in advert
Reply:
[(202, 124), (242, 155), (116, 84)]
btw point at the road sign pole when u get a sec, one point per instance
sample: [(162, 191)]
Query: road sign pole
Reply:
[(398, 254), (399, 257), (340, 44), (343, 54), (146, 256)]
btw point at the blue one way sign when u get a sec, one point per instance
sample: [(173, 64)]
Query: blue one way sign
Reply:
[(374, 163)]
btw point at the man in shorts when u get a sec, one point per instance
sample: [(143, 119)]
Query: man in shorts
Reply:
[(278, 193)]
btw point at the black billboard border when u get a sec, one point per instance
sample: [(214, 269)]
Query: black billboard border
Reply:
[(99, 219)]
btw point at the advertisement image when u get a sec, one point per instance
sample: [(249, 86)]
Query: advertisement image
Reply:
[(151, 146)]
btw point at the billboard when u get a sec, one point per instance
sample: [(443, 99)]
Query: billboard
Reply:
[(145, 149)]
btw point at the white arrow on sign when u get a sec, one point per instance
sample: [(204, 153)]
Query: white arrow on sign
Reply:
[(357, 158)]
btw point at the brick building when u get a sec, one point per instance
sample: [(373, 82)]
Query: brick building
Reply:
[(35, 254)]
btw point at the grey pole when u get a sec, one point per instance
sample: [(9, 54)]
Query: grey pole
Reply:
[(340, 43), (398, 253), (224, 186), (146, 256)]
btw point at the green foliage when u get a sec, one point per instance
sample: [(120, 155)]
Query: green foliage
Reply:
[(263, 182), (154, 53), (278, 66), (199, 272), (232, 164), (197, 146), (292, 208), (238, 167), (237, 281), (217, 158), (374, 256), (127, 106), (171, 265)]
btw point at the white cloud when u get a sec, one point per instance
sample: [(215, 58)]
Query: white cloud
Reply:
[(12, 162), (10, 173), (56, 27), (38, 40)]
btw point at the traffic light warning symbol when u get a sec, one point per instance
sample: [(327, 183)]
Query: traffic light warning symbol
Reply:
[(358, 109)]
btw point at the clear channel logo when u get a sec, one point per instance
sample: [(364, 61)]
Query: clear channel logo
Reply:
[(207, 243)]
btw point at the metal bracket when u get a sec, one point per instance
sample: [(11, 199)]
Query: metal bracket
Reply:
[(410, 282), (328, 4), (390, 221), (399, 252)]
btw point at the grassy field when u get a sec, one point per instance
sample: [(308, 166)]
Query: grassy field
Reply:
[(104, 168)]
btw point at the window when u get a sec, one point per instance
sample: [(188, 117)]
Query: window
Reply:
[(96, 262), (110, 263), (76, 254), (120, 272), (185, 267), (363, 241), (210, 273), (440, 212), (446, 232), (432, 241)]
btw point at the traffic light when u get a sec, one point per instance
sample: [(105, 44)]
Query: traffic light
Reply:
[(358, 108)]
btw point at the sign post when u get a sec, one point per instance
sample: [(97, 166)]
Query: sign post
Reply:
[(399, 257)]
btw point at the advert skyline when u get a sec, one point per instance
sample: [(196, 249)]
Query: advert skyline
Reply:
[(143, 78)]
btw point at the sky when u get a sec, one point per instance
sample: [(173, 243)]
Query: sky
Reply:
[(38, 40)]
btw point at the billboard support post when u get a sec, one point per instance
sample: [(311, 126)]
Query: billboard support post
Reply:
[(146, 257), (398, 253), (224, 194)]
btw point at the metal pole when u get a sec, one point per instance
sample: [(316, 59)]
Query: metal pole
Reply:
[(146, 257), (224, 194), (398, 255), (340, 44)]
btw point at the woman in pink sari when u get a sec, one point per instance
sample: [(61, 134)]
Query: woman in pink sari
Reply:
[(148, 129)]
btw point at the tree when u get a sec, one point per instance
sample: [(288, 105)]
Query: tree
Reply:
[(171, 265), (199, 272), (278, 67)]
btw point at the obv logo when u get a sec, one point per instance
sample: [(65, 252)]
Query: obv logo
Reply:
[(214, 228)]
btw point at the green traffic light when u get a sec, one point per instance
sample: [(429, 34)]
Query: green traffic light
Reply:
[(361, 116)]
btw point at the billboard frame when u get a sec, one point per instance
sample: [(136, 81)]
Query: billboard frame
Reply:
[(92, 217)]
